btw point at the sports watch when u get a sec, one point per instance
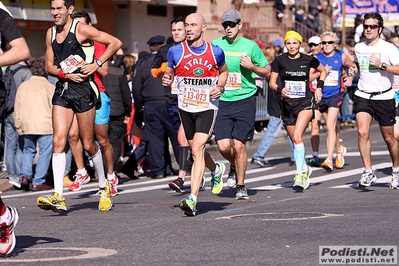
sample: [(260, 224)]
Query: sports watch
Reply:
[(383, 67), (99, 62)]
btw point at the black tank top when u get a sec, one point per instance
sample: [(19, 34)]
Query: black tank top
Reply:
[(70, 46)]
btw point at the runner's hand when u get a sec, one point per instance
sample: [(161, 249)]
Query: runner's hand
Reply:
[(166, 80), (215, 92), (76, 77)]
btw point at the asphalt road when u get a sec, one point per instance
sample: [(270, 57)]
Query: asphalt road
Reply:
[(276, 226)]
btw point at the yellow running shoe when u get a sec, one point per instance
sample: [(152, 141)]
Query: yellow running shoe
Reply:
[(52, 202), (217, 178), (105, 202), (340, 160)]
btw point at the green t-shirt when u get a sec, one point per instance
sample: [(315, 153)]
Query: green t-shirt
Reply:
[(241, 81)]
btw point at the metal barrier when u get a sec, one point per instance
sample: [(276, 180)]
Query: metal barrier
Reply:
[(261, 100)]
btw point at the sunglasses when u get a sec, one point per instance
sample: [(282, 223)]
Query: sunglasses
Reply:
[(312, 44), (329, 42), (229, 24), (373, 27)]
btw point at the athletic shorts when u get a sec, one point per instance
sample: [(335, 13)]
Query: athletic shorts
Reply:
[(173, 111), (333, 101), (236, 120), (102, 114), (291, 109), (80, 97), (382, 110), (201, 122)]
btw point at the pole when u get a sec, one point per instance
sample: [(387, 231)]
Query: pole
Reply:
[(343, 37)]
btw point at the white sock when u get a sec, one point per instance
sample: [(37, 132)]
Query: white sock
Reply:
[(99, 168), (395, 170), (194, 197), (217, 169), (111, 176), (59, 164), (6, 218), (82, 172)]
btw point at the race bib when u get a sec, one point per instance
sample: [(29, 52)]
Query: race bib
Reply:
[(196, 97), (332, 78), (233, 81), (364, 61), (72, 63), (296, 89)]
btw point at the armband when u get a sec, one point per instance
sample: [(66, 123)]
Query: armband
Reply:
[(320, 84), (61, 74)]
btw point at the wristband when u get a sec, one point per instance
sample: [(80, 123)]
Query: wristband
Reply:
[(61, 74), (279, 90), (320, 84)]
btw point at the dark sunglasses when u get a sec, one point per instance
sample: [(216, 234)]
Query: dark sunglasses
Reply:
[(329, 42), (229, 24), (312, 44), (373, 27)]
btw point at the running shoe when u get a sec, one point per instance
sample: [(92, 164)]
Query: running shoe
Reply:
[(79, 181), (367, 179), (217, 178), (328, 165), (105, 202), (394, 181), (188, 205), (315, 161), (232, 177), (340, 160), (114, 186), (306, 178), (298, 180), (241, 193), (7, 236), (52, 202), (202, 182), (177, 185), (301, 180)]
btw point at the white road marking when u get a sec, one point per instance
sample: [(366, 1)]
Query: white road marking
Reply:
[(91, 254)]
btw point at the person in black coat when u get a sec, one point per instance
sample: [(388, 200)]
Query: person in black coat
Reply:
[(121, 105)]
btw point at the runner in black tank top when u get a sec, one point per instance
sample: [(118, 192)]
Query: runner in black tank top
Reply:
[(75, 93)]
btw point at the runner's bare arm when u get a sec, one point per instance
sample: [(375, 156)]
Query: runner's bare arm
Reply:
[(216, 91), (87, 32), (50, 68)]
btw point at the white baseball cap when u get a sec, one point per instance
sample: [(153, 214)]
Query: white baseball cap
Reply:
[(315, 40)]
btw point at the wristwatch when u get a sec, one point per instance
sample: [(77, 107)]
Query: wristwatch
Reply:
[(383, 67), (99, 62)]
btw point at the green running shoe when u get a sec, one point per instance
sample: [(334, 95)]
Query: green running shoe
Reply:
[(217, 178), (188, 205)]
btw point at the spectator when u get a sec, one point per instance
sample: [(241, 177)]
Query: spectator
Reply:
[(14, 144), (117, 88), (36, 126)]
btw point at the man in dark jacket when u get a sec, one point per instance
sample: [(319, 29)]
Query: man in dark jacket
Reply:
[(149, 96), (121, 106)]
